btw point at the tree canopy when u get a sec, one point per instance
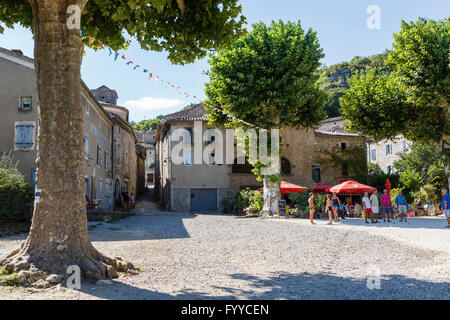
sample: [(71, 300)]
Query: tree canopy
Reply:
[(147, 124), (334, 79), (157, 25), (268, 78), (413, 99)]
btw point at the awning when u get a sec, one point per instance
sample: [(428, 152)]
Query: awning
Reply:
[(351, 187), (321, 188), (287, 188)]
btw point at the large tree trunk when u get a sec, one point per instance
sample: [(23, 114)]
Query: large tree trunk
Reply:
[(272, 194), (59, 234)]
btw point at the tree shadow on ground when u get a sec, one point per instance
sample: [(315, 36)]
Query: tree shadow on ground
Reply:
[(288, 286), (123, 291), (307, 286), (141, 227)]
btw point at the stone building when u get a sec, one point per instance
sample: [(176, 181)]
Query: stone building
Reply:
[(211, 186), (147, 141), (386, 152), (124, 144), (103, 130)]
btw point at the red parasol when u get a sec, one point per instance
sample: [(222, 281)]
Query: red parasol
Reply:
[(287, 187), (388, 186), (351, 187), (321, 188)]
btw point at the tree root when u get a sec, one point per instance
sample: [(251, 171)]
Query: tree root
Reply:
[(38, 268)]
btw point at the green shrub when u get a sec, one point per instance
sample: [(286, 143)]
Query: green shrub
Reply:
[(243, 198), (300, 200), (16, 196), (257, 200)]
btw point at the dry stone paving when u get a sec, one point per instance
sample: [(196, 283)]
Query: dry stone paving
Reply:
[(215, 256)]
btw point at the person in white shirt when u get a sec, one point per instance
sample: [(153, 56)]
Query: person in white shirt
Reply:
[(367, 207), (374, 205)]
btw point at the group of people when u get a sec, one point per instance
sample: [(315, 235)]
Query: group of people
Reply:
[(126, 201), (371, 207)]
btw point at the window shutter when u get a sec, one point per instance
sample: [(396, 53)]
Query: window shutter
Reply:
[(20, 135), (24, 135), (29, 135), (33, 176)]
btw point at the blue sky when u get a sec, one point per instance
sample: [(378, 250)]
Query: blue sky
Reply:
[(341, 27)]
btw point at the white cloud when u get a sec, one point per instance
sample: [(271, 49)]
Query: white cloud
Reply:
[(149, 103)]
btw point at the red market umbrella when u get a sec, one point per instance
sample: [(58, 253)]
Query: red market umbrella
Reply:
[(351, 187), (321, 188), (287, 188), (388, 186)]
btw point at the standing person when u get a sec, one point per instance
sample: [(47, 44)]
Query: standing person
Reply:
[(311, 207), (133, 201), (374, 205), (367, 207), (335, 205), (358, 209), (430, 208), (446, 206), (126, 201), (329, 206), (386, 208), (400, 200), (419, 204)]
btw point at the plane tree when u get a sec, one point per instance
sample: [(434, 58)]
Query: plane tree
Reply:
[(268, 78), (413, 100), (186, 29)]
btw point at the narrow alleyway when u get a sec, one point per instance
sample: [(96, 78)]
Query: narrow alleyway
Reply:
[(145, 202)]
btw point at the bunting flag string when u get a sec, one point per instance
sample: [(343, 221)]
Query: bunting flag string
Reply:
[(161, 81)]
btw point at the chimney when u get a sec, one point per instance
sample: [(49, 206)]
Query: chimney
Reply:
[(18, 51)]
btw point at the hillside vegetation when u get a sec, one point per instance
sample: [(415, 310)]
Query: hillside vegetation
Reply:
[(333, 79)]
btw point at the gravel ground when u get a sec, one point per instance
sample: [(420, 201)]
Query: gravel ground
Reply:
[(185, 256)]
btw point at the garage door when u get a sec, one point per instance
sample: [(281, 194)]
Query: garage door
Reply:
[(203, 200)]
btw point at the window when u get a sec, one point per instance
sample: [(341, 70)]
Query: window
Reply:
[(374, 154), (25, 103), (99, 155), (285, 166), (24, 135), (126, 157), (86, 145), (388, 149), (343, 146), (212, 159), (403, 145), (188, 135), (344, 169), (389, 170), (189, 158), (241, 168), (316, 173), (118, 154)]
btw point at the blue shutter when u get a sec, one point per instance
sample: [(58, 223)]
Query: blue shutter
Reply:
[(24, 135), (33, 176), (29, 135)]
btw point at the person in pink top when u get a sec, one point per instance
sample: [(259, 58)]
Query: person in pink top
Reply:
[(386, 207)]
